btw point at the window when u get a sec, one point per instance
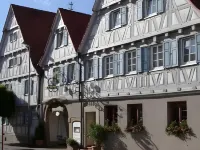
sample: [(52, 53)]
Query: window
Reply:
[(134, 114), (131, 59), (151, 6), (14, 61), (56, 75), (71, 72), (116, 18), (157, 56), (90, 69), (13, 37), (146, 8), (189, 49), (59, 37), (26, 87), (111, 115), (177, 111), (109, 65)]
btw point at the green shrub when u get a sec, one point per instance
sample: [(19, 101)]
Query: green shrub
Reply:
[(71, 142)]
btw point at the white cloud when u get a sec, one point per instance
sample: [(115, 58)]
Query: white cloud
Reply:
[(43, 2)]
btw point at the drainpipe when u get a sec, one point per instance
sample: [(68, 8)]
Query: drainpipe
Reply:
[(2, 132), (80, 100)]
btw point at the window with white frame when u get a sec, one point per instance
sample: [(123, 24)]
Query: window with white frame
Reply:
[(157, 56), (109, 65), (59, 37), (13, 37), (147, 8), (131, 61), (14, 61), (26, 87), (116, 18), (90, 73), (71, 72), (189, 49), (56, 75)]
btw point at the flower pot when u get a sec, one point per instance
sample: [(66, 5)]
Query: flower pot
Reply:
[(39, 142)]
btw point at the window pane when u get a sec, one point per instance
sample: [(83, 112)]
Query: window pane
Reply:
[(154, 56), (111, 58), (129, 68), (129, 62), (134, 54), (160, 56), (133, 67), (186, 58), (129, 55), (193, 49), (192, 41), (134, 61), (160, 49), (186, 51), (160, 63), (111, 71), (154, 49), (155, 64), (192, 57), (111, 65)]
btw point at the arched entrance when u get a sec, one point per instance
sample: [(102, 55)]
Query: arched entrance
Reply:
[(56, 119)]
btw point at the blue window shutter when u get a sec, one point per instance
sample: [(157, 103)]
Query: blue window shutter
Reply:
[(139, 9), (145, 59), (107, 21), (55, 41), (101, 72), (83, 72), (124, 16), (77, 71), (167, 54), (115, 65), (95, 67), (65, 37), (174, 53), (121, 63), (139, 60), (160, 6), (198, 47)]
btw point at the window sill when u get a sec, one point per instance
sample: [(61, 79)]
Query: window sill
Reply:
[(109, 76), (119, 26), (151, 15), (189, 64), (90, 79), (132, 72), (157, 69), (60, 47)]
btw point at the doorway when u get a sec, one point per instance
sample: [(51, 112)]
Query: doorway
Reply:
[(90, 118)]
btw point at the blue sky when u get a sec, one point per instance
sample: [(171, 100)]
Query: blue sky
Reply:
[(84, 6)]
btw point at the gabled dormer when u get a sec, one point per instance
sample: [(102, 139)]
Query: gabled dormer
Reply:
[(59, 60)]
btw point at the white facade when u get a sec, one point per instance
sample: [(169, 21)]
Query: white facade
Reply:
[(14, 71)]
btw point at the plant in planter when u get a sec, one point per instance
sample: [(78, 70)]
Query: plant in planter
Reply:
[(135, 128), (180, 130), (98, 134), (114, 128), (73, 144), (40, 134)]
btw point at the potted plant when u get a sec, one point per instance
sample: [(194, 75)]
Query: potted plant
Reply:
[(180, 130), (114, 128), (98, 134), (73, 144), (135, 128), (39, 134)]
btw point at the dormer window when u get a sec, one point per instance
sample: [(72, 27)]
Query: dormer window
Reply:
[(13, 37), (61, 37)]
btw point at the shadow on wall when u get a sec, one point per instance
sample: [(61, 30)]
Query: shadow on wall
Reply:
[(16, 127), (143, 140), (114, 142)]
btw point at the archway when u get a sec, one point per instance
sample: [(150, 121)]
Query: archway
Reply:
[(56, 122)]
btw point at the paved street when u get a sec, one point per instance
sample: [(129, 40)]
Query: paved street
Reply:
[(7, 147)]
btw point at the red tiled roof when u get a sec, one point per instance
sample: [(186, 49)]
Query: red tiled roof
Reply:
[(196, 3), (35, 26), (76, 24)]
